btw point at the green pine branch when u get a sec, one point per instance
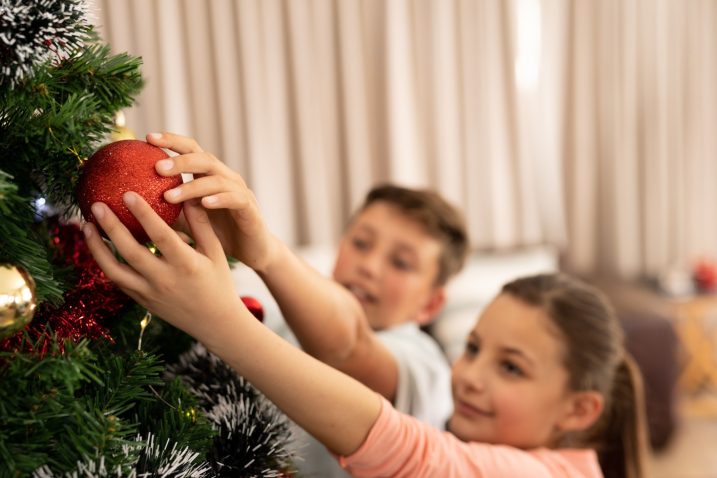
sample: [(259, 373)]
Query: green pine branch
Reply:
[(49, 123), (20, 246), (57, 118), (89, 403)]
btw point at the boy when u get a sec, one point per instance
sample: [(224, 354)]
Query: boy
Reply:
[(393, 262)]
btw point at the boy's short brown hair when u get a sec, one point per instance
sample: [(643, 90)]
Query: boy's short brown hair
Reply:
[(440, 219)]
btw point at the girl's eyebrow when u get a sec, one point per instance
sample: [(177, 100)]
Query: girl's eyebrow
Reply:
[(518, 352), (506, 350)]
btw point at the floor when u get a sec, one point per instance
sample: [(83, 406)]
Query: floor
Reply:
[(693, 450)]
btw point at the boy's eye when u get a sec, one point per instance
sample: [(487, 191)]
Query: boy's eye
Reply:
[(360, 243), (401, 263), (512, 368)]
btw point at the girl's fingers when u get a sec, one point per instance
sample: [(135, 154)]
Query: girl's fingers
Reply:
[(163, 236), (119, 273), (184, 237), (232, 201), (180, 224), (202, 187), (133, 252), (205, 238), (178, 144), (198, 164)]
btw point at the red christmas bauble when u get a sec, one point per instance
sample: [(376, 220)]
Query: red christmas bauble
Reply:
[(705, 275), (254, 306), (122, 166)]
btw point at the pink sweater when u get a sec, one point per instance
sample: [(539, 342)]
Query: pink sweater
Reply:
[(400, 446)]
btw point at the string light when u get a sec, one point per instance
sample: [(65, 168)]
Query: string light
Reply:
[(143, 325)]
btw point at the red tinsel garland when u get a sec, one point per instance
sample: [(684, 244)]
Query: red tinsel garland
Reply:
[(92, 301)]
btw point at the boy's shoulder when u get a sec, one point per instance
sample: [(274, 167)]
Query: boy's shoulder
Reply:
[(409, 332), (424, 375)]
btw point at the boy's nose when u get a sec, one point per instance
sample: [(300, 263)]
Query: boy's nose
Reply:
[(370, 264)]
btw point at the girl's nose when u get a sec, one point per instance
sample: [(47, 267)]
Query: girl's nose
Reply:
[(473, 375)]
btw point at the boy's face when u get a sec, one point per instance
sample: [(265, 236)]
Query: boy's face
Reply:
[(510, 384), (389, 263)]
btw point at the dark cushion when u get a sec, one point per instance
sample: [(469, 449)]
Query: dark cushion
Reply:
[(652, 341)]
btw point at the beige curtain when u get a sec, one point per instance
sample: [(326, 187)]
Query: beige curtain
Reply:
[(583, 124), (640, 142), (314, 101)]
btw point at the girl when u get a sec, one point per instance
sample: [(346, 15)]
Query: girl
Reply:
[(544, 388)]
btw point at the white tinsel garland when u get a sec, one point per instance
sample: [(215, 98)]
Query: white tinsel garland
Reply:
[(172, 462), (254, 436), (33, 32)]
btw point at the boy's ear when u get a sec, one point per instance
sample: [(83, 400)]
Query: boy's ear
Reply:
[(584, 409), (433, 305)]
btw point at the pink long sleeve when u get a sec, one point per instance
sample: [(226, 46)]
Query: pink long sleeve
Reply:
[(400, 446)]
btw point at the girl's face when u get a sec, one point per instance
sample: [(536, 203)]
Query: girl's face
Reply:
[(389, 262), (510, 384)]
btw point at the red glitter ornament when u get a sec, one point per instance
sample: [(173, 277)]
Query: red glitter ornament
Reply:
[(254, 307), (122, 166)]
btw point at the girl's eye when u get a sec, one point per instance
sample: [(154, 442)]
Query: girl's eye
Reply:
[(471, 349), (512, 368)]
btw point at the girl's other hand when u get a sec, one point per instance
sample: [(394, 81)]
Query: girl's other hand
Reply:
[(232, 206)]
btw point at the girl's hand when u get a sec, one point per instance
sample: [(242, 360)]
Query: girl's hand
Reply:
[(190, 288), (193, 290), (232, 207)]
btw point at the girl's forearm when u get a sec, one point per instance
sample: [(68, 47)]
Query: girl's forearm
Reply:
[(336, 409)]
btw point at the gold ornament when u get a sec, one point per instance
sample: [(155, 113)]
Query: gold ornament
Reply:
[(121, 131), (17, 299)]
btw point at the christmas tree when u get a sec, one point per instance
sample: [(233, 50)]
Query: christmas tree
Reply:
[(90, 384)]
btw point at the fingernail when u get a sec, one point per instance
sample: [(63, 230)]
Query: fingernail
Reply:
[(210, 200), (165, 164), (129, 198), (98, 210), (155, 135), (173, 193), (87, 230)]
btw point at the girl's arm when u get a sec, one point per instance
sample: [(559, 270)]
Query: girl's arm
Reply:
[(327, 319), (193, 290)]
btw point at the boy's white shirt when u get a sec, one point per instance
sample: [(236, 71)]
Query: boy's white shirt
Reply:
[(423, 389)]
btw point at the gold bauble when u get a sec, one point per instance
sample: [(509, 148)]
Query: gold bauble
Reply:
[(120, 130), (17, 299)]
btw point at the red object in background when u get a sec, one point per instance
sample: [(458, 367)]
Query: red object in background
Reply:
[(122, 166), (254, 307), (705, 275)]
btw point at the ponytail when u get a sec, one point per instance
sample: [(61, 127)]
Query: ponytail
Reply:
[(622, 448)]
